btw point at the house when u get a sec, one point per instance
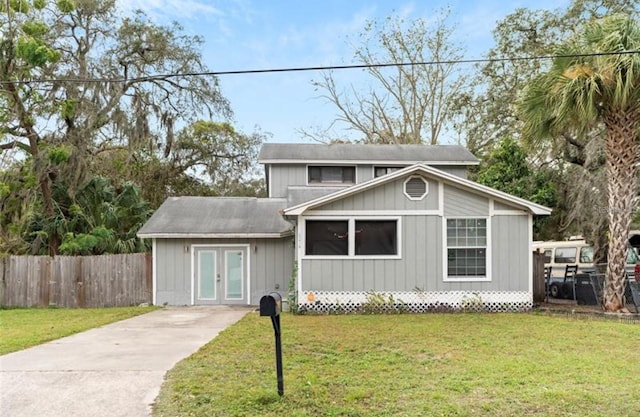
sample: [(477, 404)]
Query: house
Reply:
[(347, 222)]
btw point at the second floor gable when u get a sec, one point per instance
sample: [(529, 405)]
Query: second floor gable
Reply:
[(295, 166)]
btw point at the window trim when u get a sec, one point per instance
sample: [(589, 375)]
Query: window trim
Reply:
[(331, 184), (445, 246), (396, 168), (426, 188), (351, 248)]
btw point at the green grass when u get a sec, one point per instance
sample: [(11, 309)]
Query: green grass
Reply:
[(413, 365), (22, 328)]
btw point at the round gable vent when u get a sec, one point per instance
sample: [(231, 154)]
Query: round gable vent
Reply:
[(416, 188)]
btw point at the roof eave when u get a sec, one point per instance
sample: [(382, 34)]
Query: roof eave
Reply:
[(152, 235)]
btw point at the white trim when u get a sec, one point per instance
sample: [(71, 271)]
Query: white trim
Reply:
[(270, 183), (332, 184), (378, 213), (530, 239), (365, 162), (216, 235), (440, 198), (247, 246), (154, 272), (300, 253), (426, 188), (492, 209), (509, 213), (351, 221), (489, 260), (466, 184)]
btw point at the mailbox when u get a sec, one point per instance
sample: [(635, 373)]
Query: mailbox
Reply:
[(271, 304)]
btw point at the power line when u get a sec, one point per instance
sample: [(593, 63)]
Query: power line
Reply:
[(159, 77)]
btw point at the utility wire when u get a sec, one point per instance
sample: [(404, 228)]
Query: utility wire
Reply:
[(315, 68)]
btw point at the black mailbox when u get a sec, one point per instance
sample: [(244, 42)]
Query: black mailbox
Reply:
[(271, 304)]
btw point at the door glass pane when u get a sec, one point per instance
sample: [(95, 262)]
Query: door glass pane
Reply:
[(234, 274), (207, 275)]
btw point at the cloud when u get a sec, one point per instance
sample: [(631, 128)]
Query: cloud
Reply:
[(170, 9)]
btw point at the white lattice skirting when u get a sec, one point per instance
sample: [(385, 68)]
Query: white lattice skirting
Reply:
[(413, 301)]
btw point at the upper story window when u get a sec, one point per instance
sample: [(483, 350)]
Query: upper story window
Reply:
[(379, 171), (332, 174)]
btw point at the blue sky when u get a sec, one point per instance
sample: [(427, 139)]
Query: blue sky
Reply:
[(258, 34)]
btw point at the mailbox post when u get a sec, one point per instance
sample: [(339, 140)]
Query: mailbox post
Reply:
[(271, 305)]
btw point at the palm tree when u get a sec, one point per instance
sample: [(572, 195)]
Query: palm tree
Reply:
[(594, 82)]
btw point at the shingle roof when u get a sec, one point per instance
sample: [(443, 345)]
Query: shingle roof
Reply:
[(309, 152), (218, 217)]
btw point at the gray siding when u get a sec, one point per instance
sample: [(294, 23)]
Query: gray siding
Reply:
[(271, 265), (285, 175), (458, 202), (459, 171), (387, 197), (501, 206), (420, 266), (510, 252)]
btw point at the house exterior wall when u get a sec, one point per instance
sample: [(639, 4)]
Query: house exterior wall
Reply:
[(387, 197), (282, 176), (419, 276), (270, 266)]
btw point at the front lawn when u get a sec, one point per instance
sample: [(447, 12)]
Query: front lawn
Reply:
[(22, 328), (413, 365)]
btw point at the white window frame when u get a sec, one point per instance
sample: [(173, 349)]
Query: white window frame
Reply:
[(426, 188), (351, 245), (332, 184), (445, 247)]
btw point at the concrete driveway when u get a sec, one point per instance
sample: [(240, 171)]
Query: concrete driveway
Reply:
[(114, 370)]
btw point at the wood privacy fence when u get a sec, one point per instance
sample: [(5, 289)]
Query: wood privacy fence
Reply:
[(75, 281), (538, 277)]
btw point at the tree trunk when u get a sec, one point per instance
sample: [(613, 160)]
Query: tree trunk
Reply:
[(621, 159)]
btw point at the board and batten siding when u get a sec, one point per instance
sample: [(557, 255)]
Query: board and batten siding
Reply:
[(462, 203), (510, 253), (421, 265), (422, 246), (271, 265), (420, 262), (388, 196), (283, 176)]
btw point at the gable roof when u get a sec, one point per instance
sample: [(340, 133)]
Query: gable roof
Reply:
[(218, 217), (445, 177), (362, 153)]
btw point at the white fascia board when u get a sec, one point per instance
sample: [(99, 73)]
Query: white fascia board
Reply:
[(365, 162), (215, 235)]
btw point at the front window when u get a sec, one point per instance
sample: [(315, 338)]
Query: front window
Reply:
[(466, 248), (327, 237), (376, 237), (332, 175), (352, 237)]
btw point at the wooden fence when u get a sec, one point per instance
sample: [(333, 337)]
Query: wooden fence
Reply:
[(538, 277), (76, 281)]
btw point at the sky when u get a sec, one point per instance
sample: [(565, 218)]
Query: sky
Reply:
[(265, 34)]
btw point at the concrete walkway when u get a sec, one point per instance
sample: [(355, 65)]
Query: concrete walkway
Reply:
[(114, 370)]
